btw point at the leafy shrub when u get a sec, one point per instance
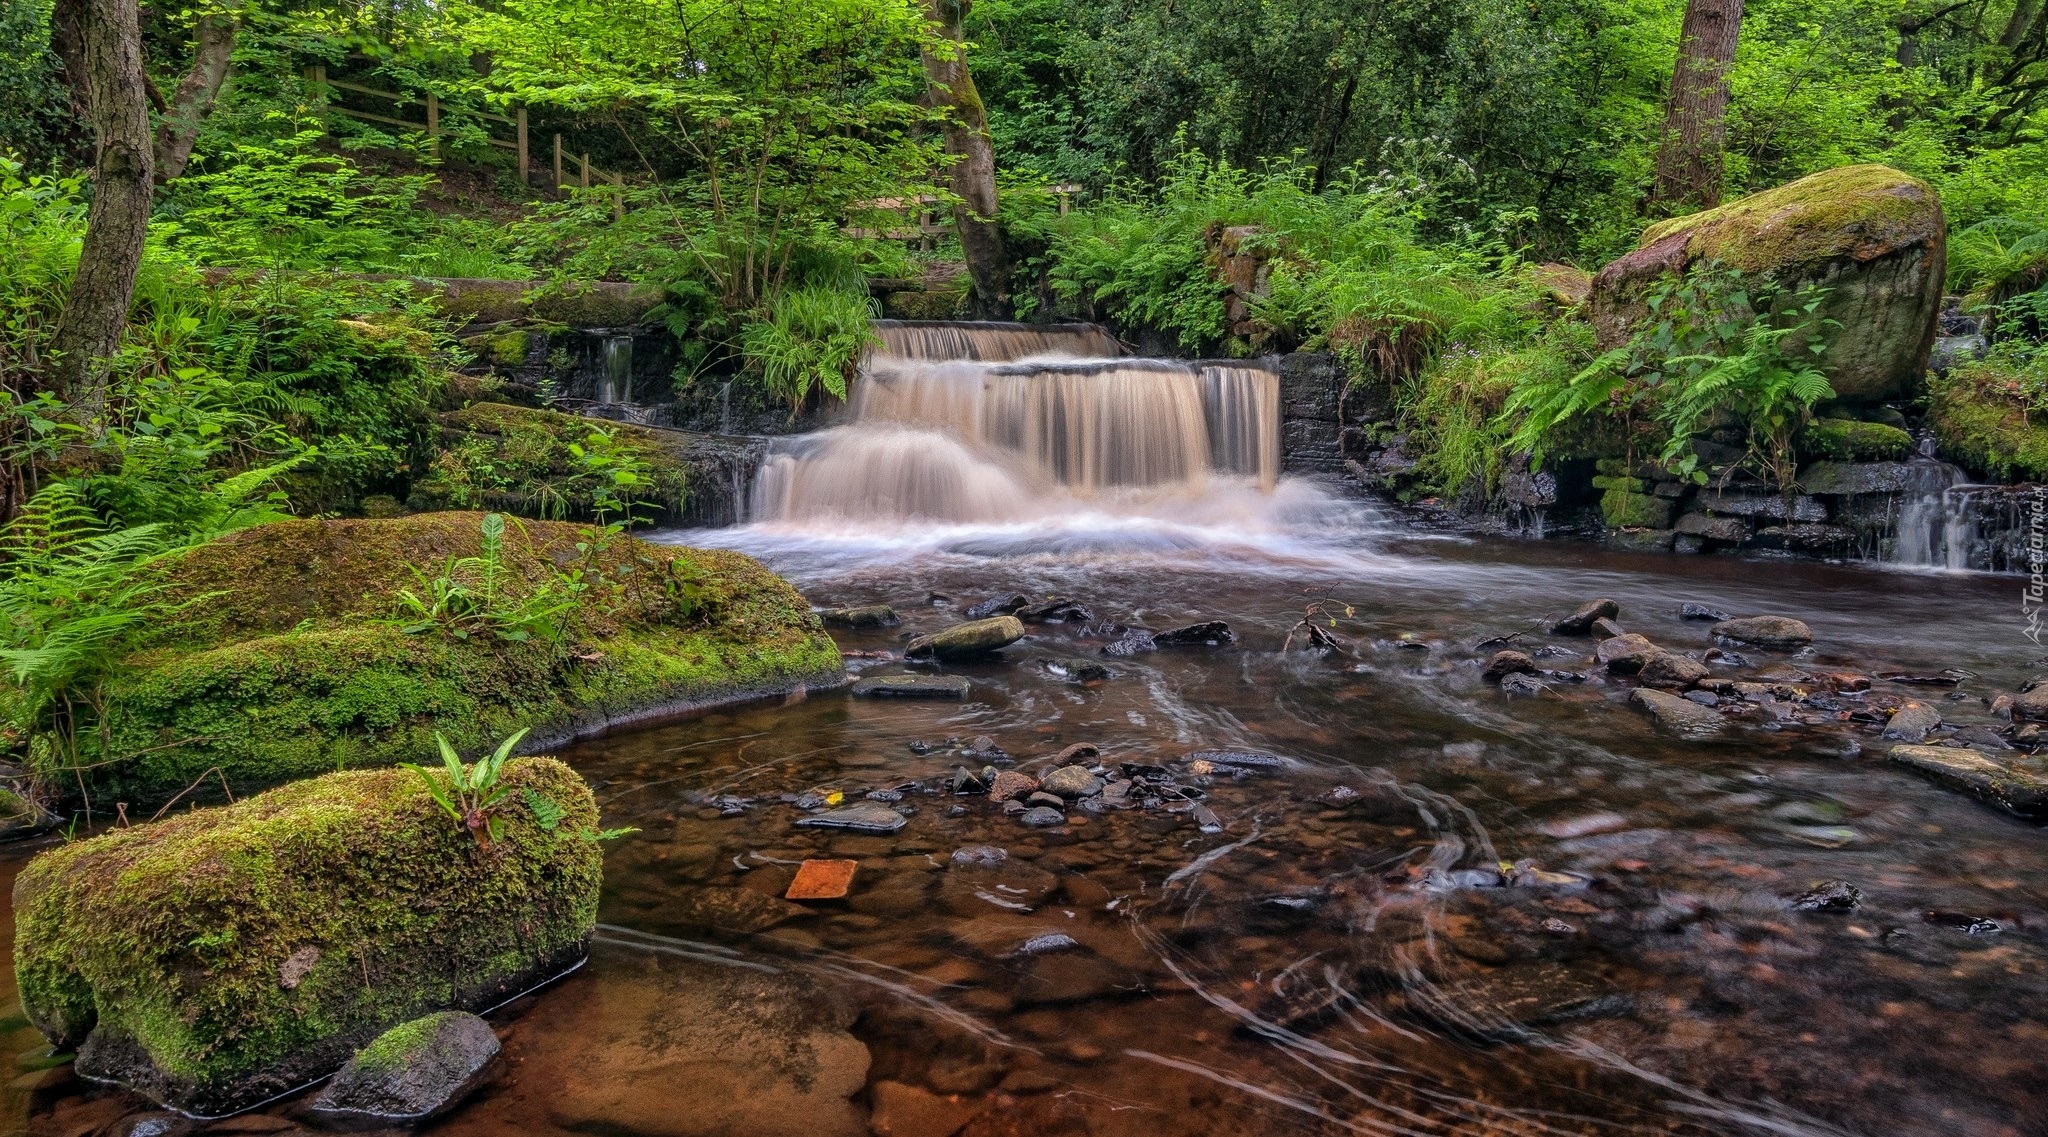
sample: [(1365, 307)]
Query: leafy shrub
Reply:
[(811, 340)]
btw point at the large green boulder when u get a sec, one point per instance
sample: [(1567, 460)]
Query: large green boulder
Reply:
[(221, 957), (1871, 236), (296, 655)]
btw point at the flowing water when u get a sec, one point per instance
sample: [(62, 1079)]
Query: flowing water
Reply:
[(1439, 912)]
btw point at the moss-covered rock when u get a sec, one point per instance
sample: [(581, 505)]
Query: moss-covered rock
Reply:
[(294, 657), (224, 956), (526, 461), (1871, 236), (918, 304), (1846, 440), (1983, 420), (1625, 510)]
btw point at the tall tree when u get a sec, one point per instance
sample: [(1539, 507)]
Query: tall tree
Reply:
[(100, 42), (1696, 112), (974, 165), (213, 50)]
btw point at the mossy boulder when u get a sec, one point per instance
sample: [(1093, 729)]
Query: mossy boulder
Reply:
[(221, 957), (294, 657), (1871, 236), (1846, 440), (1984, 422), (546, 464), (1625, 510)]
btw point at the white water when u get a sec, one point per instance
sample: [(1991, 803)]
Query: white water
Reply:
[(1009, 440)]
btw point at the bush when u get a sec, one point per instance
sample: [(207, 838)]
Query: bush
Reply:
[(811, 340)]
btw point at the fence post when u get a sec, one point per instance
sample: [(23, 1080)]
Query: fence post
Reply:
[(557, 187), (434, 123), (618, 195), (519, 124), (583, 168)]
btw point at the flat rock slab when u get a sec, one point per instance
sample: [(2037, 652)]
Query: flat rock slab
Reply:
[(1973, 771), (970, 640), (868, 616), (663, 1046), (1239, 759), (822, 880), (1766, 631), (912, 687), (1681, 717), (1502, 1004), (412, 1072), (864, 818)]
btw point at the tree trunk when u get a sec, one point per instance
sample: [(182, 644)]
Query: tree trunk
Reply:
[(214, 48), (108, 79), (1695, 121), (974, 170)]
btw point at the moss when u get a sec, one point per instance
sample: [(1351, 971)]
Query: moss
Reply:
[(1846, 440), (396, 1047), (919, 305), (1616, 482), (521, 461), (295, 663), (1982, 419), (505, 347), (1853, 212), (219, 957), (1625, 510)]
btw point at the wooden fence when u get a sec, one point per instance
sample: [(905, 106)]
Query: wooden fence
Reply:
[(586, 173)]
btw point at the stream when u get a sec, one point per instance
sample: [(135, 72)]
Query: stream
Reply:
[(1436, 910)]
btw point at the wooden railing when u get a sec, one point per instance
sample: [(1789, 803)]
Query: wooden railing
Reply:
[(586, 173)]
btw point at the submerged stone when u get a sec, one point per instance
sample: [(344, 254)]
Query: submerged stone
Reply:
[(1766, 631), (1214, 633), (912, 687), (1238, 759), (414, 1071), (1679, 716), (2007, 787), (266, 922), (870, 616), (867, 817)]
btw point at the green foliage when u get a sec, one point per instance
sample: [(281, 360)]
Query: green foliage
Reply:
[(1711, 346), (474, 794), (478, 595), (811, 341), (1452, 410), (553, 466), (1991, 415)]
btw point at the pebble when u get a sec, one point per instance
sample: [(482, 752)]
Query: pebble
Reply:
[(1042, 817), (1011, 784), (1829, 896), (1072, 782), (980, 855)]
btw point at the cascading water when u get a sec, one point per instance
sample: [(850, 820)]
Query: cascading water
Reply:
[(993, 423), (1936, 526), (615, 385)]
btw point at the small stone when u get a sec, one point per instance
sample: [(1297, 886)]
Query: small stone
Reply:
[(1626, 654), (1214, 633), (1506, 663), (1766, 631), (1963, 922), (1522, 686), (982, 855), (1552, 926), (1076, 752), (1690, 611), (1083, 670), (1604, 629), (999, 606), (1042, 817), (1238, 759), (1050, 801), (970, 640), (1976, 772), (1912, 721), (966, 781), (902, 1110), (1581, 621), (1011, 784), (1672, 672), (1703, 698), (911, 687), (1047, 944), (1688, 720), (415, 1071), (2031, 703), (1829, 896), (1072, 782)]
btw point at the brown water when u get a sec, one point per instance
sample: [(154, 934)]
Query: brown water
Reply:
[(1329, 945)]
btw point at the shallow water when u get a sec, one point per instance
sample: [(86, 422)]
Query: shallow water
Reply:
[(1340, 957)]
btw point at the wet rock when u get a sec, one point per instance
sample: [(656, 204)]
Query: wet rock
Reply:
[(971, 640), (1501, 1005), (1975, 772), (740, 911), (1703, 698), (1691, 611), (1506, 663), (1606, 629), (1047, 943), (1962, 922), (1075, 753), (1072, 782), (864, 818), (1011, 784), (676, 1047), (1552, 926), (1581, 621), (1082, 670), (911, 687), (412, 1072), (1042, 817), (1725, 658), (912, 1111), (1058, 610), (967, 782), (1765, 631), (1680, 717), (1829, 896), (155, 1123), (1522, 686), (1671, 671), (1856, 477), (1762, 503), (982, 748), (2031, 702), (1912, 721), (1214, 633), (1135, 641), (870, 616), (1237, 759), (980, 855), (1730, 529), (1626, 654), (1050, 801), (998, 606)]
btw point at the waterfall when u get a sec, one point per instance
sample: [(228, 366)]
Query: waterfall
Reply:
[(1936, 525), (983, 422), (616, 384)]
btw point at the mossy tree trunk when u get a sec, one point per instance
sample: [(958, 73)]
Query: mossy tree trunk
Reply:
[(213, 49), (974, 167), (1695, 120), (101, 43)]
